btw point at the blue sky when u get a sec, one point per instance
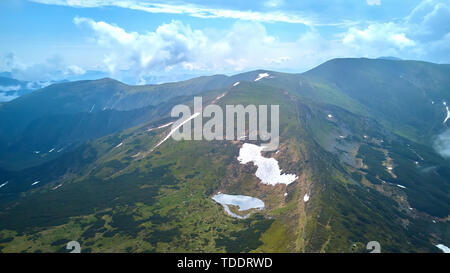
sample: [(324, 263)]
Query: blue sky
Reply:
[(144, 41)]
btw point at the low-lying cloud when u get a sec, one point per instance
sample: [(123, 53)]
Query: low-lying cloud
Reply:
[(5, 97), (442, 144), (8, 88), (52, 69)]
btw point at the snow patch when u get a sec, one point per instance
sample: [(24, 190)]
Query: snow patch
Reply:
[(268, 170), (4, 184), (218, 98), (58, 186), (400, 186), (261, 75), (51, 150), (176, 128), (34, 183), (448, 115), (306, 198), (236, 83), (118, 145), (444, 248), (159, 127)]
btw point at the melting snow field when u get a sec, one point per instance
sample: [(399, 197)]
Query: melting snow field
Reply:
[(306, 198), (444, 248), (57, 187), (218, 98), (242, 201), (160, 127), (268, 170), (448, 115), (176, 128), (261, 75)]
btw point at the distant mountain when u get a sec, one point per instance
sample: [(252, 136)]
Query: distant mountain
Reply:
[(11, 88), (57, 115), (357, 133), (390, 58)]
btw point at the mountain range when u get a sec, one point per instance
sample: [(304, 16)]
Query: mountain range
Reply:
[(366, 139)]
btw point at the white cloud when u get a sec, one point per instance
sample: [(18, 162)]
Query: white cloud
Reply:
[(373, 2), (5, 98), (53, 68), (176, 47), (74, 70), (379, 39), (9, 88), (378, 36), (169, 45), (201, 11)]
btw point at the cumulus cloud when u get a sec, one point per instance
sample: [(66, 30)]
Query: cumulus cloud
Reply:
[(176, 46), (378, 39), (169, 45), (423, 34)]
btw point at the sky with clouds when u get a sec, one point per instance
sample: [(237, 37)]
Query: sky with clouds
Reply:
[(141, 40)]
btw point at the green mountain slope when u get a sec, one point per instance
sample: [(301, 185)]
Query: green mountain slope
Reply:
[(366, 181), (65, 114)]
